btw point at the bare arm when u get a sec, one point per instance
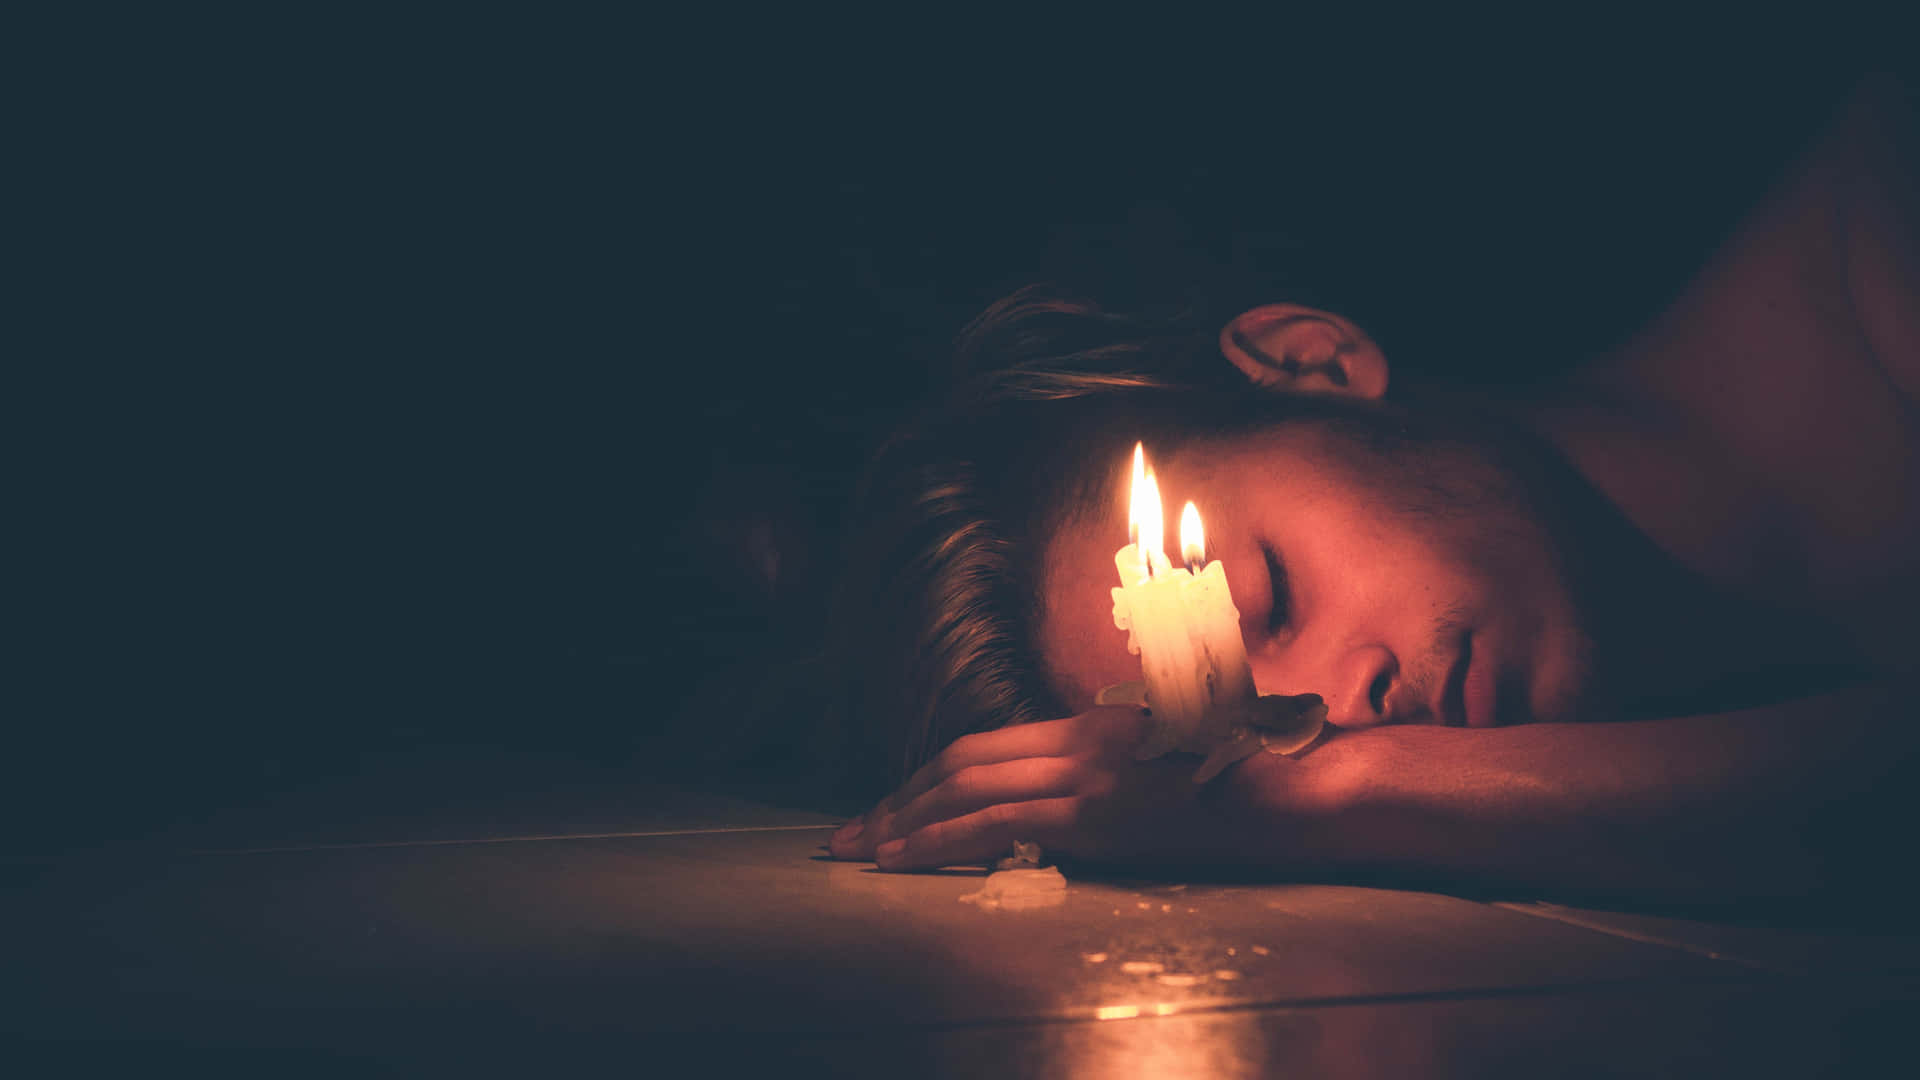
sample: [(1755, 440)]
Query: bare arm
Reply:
[(1778, 803), (1773, 801)]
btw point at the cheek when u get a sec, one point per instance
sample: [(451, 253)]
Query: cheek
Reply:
[(1355, 545), (1082, 649), (1489, 550), (1380, 571)]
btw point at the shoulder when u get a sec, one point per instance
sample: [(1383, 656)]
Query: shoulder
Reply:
[(1786, 374), (1876, 199)]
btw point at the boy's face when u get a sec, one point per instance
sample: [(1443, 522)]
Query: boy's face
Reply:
[(1405, 583)]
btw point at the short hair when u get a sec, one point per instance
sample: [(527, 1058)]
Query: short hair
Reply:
[(933, 626)]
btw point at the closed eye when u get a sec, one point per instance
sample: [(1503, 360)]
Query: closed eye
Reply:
[(1277, 579)]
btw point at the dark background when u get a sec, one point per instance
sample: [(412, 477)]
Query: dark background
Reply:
[(437, 388)]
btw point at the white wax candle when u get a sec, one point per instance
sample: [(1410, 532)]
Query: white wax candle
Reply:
[(1184, 627), (1218, 621), (1173, 662)]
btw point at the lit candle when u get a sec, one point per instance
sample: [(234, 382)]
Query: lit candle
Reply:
[(1183, 626), (1216, 619)]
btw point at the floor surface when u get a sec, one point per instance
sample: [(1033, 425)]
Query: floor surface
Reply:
[(518, 916)]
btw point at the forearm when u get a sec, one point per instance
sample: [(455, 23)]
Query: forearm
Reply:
[(1693, 807)]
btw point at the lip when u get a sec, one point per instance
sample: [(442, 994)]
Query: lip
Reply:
[(1452, 709), (1479, 692)]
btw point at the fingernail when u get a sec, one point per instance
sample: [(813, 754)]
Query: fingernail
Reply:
[(849, 832), (891, 850)]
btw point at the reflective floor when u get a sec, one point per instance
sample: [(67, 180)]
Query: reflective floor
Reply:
[(505, 916)]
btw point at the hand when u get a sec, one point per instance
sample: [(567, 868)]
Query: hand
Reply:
[(1073, 787)]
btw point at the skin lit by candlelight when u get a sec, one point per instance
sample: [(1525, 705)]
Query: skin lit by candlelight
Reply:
[(1193, 541)]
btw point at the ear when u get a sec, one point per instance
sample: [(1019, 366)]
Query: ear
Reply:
[(1302, 350)]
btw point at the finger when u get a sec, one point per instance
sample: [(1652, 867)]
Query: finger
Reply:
[(1045, 738), (973, 788), (982, 836), (845, 841), (1225, 754), (978, 787), (1160, 740)]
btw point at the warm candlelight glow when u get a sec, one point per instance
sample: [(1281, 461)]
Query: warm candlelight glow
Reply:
[(1184, 627), (1193, 542), (1146, 526)]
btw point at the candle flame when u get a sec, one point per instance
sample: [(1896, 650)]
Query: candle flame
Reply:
[(1145, 526), (1193, 541), (1133, 493)]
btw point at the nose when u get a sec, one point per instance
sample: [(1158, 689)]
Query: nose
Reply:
[(1357, 687), (1354, 680)]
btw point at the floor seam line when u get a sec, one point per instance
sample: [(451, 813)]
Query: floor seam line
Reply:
[(1598, 927), (355, 846)]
